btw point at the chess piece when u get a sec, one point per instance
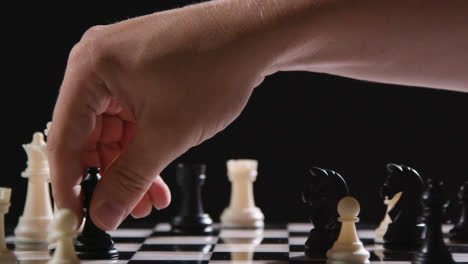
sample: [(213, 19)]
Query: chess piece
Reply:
[(37, 214), (459, 233), (382, 229), (6, 255), (191, 218), (242, 248), (404, 232), (348, 248), (242, 211), (325, 188), (433, 250), (62, 233), (93, 243)]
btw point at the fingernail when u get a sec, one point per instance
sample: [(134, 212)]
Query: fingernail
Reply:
[(109, 215)]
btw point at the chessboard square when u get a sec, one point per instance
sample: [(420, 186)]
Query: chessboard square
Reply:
[(129, 247), (181, 247), (130, 232), (296, 248), (297, 240), (460, 257), (366, 234), (162, 227), (458, 248), (168, 262), (248, 248), (129, 240), (272, 256), (299, 257), (300, 227), (275, 226), (391, 257), (182, 240), (171, 255), (105, 261), (252, 233), (247, 262), (275, 240)]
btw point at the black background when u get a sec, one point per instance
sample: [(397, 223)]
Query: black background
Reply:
[(294, 120)]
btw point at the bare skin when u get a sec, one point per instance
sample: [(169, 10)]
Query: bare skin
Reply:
[(141, 92)]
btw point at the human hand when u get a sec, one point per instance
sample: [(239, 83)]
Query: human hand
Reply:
[(135, 96)]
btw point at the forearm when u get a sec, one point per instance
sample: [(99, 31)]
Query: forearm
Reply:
[(420, 43)]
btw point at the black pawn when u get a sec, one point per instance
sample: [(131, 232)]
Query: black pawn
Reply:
[(433, 250), (93, 243), (459, 233), (191, 218)]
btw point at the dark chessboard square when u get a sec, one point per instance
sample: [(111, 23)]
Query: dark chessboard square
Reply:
[(367, 241), (129, 239), (458, 248), (126, 255), (181, 247), (391, 256), (298, 234), (168, 262), (274, 240), (255, 256), (296, 248)]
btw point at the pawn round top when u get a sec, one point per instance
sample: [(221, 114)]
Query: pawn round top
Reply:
[(348, 207), (242, 168)]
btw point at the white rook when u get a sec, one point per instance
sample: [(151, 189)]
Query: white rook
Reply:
[(242, 211), (6, 255), (37, 214)]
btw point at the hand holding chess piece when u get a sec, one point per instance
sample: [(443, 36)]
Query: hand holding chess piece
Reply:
[(62, 233)]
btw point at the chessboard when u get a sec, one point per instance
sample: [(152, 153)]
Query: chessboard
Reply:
[(275, 243)]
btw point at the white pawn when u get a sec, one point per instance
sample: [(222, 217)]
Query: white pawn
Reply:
[(242, 211), (382, 229), (6, 255), (62, 234), (37, 214), (348, 248)]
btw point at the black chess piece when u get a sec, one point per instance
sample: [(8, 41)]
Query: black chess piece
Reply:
[(459, 233), (93, 243), (324, 190), (433, 249), (404, 233), (191, 218)]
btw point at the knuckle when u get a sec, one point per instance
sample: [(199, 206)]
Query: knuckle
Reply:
[(128, 181), (90, 48)]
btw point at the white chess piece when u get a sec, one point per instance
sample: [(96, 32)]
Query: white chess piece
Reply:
[(6, 255), (242, 211), (37, 214), (348, 248), (62, 233), (382, 229), (242, 248)]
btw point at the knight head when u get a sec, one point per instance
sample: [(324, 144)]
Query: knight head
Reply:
[(400, 178), (323, 190)]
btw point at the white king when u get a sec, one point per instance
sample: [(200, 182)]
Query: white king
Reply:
[(242, 211), (37, 214)]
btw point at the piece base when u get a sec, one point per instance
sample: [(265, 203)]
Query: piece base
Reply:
[(86, 252), (201, 224)]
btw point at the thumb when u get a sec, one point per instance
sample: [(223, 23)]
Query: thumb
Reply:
[(127, 179)]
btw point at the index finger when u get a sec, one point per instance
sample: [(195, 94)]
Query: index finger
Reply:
[(81, 98)]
